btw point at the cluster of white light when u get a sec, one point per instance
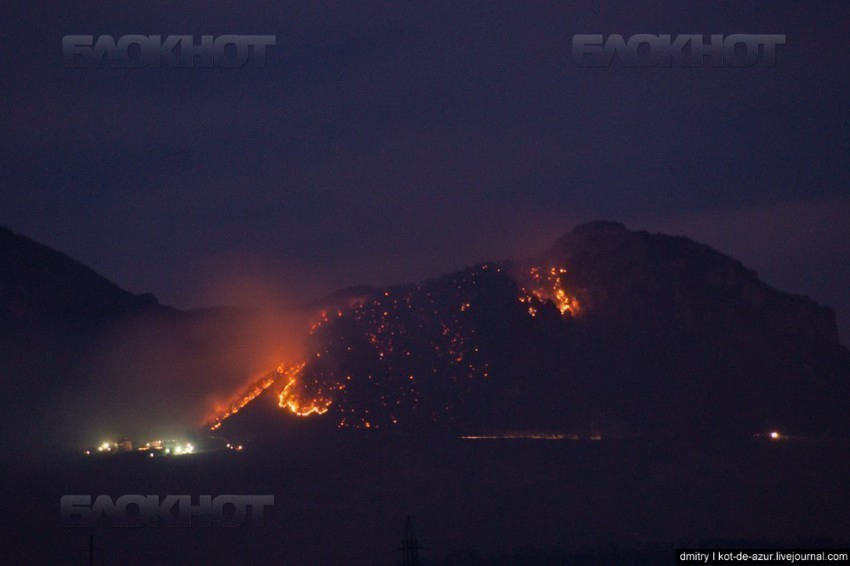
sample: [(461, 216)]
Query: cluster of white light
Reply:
[(152, 448), (181, 449)]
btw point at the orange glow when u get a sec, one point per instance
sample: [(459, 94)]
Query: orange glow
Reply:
[(309, 387), (296, 402), (249, 395), (546, 285)]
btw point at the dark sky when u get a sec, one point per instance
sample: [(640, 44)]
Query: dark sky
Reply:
[(387, 142)]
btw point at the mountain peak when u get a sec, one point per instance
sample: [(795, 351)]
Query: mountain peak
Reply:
[(605, 233), (599, 226), (647, 277)]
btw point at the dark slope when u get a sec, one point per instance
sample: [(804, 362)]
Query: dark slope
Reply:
[(654, 279), (37, 282), (52, 310)]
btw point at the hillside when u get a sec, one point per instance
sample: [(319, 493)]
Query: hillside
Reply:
[(52, 311), (609, 332)]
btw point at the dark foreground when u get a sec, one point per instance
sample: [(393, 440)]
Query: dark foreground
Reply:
[(528, 501)]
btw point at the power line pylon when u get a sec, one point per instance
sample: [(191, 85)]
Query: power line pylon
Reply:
[(409, 545)]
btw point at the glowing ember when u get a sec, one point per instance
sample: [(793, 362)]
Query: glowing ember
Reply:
[(546, 285), (297, 403), (400, 341)]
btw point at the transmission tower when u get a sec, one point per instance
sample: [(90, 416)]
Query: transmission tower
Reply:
[(409, 545)]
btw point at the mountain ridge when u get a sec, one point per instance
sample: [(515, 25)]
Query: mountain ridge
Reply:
[(608, 329), (684, 258), (611, 329)]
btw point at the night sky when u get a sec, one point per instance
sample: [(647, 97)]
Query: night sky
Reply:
[(386, 142)]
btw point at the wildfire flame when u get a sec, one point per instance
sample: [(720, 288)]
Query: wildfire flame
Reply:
[(547, 285), (307, 387), (252, 393), (295, 402)]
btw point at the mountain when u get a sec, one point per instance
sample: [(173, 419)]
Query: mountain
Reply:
[(37, 283), (608, 332), (52, 310)]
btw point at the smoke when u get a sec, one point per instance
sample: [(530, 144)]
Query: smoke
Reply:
[(161, 375)]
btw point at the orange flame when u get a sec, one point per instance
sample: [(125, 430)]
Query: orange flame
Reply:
[(548, 286), (295, 402), (252, 393)]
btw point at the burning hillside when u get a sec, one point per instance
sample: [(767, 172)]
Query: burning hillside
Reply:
[(377, 360), (621, 330)]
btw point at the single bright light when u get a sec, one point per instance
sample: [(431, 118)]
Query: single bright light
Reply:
[(775, 435)]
